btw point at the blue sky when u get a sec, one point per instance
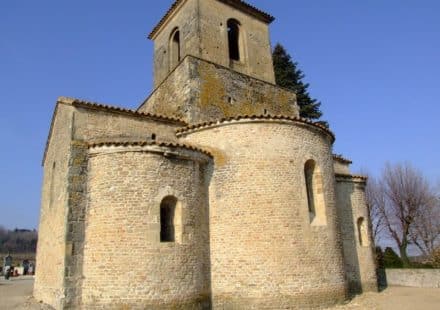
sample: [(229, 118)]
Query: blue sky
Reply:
[(374, 64)]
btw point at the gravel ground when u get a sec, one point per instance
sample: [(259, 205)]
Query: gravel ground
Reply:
[(396, 298), (17, 294)]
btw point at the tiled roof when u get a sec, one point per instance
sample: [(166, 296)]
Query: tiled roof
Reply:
[(241, 5), (97, 106), (87, 104), (353, 177), (341, 159), (256, 117), (148, 143)]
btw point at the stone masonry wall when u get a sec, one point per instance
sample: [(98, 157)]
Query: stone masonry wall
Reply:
[(414, 277), (77, 178), (177, 95), (188, 23), (256, 58), (359, 259), (61, 229), (49, 280), (125, 264), (265, 253), (341, 168), (198, 91), (96, 125), (367, 262)]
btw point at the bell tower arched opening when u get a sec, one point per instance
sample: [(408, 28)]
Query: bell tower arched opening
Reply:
[(227, 33), (234, 38), (175, 53)]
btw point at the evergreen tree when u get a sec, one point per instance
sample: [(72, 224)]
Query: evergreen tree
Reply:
[(391, 259), (288, 75)]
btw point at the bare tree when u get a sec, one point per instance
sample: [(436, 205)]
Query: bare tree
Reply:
[(375, 199), (425, 233), (403, 200)]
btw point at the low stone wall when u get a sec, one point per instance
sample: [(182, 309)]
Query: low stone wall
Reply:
[(414, 277)]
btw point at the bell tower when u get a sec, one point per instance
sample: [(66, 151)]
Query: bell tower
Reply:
[(213, 60), (230, 33)]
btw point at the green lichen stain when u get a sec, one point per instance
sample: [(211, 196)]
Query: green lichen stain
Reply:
[(251, 97), (213, 95), (201, 93)]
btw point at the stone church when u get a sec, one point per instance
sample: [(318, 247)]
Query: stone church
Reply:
[(213, 194)]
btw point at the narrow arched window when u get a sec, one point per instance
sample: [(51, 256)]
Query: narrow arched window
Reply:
[(175, 56), (167, 219), (309, 169), (234, 39), (315, 193), (362, 232)]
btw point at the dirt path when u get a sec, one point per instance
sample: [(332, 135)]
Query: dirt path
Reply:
[(16, 294), (396, 298)]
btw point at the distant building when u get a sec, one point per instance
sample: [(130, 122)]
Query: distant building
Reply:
[(214, 194)]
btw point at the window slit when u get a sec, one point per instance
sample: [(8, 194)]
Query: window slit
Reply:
[(234, 39)]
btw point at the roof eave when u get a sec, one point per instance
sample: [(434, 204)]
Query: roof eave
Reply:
[(249, 9)]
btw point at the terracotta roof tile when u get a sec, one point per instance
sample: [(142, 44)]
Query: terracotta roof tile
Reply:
[(147, 143), (353, 177), (341, 159), (87, 104), (97, 106), (239, 4), (256, 117)]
